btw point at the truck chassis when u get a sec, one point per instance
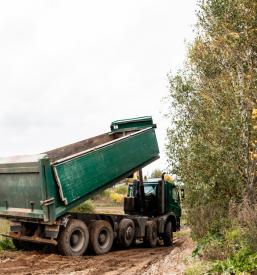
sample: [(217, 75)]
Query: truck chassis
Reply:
[(74, 232)]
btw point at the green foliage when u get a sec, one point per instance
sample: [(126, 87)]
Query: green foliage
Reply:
[(211, 135), (115, 194), (230, 252), (106, 193), (85, 207), (121, 189), (197, 267), (6, 244), (243, 261), (116, 197), (211, 247), (212, 138)]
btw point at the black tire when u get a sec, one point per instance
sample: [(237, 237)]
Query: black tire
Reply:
[(126, 232), (151, 237), (73, 239), (168, 234), (100, 237)]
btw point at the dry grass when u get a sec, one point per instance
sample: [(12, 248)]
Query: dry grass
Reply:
[(247, 218), (4, 227), (197, 267), (5, 243)]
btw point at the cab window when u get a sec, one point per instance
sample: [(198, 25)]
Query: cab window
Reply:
[(150, 190), (175, 194)]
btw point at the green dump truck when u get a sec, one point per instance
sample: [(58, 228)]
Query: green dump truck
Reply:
[(37, 192)]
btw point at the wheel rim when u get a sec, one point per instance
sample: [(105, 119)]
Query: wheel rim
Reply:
[(103, 238), (77, 240), (129, 233)]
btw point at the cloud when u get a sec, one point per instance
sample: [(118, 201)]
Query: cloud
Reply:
[(69, 68)]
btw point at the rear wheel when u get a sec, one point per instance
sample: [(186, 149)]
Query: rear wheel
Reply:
[(100, 237), (168, 234), (126, 232), (73, 239), (151, 237)]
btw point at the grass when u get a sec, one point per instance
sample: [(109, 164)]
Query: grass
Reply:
[(5, 243), (197, 267), (4, 228), (121, 189), (182, 233)]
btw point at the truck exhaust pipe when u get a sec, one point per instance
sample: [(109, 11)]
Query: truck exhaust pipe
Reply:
[(162, 195)]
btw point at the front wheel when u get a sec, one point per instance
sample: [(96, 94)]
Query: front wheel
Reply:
[(73, 239), (151, 237), (168, 234)]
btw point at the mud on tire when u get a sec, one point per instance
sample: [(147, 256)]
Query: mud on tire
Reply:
[(73, 239), (100, 237), (126, 232), (168, 234), (151, 238)]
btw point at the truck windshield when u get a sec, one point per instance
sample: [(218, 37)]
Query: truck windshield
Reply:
[(150, 189)]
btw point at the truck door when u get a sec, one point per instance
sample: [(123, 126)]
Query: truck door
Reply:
[(172, 199)]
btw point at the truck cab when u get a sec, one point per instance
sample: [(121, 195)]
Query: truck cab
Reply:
[(172, 198), (158, 197)]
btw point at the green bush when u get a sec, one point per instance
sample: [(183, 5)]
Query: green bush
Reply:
[(86, 207), (231, 252), (116, 197), (106, 193), (243, 261), (6, 244), (209, 248), (198, 267), (121, 189)]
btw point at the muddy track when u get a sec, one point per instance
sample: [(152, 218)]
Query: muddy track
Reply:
[(137, 260)]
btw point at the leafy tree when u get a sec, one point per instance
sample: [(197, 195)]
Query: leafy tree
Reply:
[(212, 139), (156, 173)]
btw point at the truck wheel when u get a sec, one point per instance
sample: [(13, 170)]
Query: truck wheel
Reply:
[(150, 238), (100, 237), (73, 239), (168, 234), (126, 232)]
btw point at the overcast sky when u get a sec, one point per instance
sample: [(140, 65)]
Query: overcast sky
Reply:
[(69, 68)]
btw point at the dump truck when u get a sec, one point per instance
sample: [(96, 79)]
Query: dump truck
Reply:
[(38, 192)]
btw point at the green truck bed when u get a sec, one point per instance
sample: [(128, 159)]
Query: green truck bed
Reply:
[(46, 186)]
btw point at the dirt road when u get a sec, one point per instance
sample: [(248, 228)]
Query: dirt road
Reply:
[(137, 260)]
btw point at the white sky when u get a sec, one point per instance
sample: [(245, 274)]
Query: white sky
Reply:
[(69, 68)]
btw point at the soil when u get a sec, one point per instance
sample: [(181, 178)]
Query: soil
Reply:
[(137, 260)]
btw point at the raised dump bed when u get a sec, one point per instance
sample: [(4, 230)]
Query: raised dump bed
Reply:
[(46, 186)]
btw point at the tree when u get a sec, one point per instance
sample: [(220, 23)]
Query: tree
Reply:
[(211, 138), (156, 173)]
